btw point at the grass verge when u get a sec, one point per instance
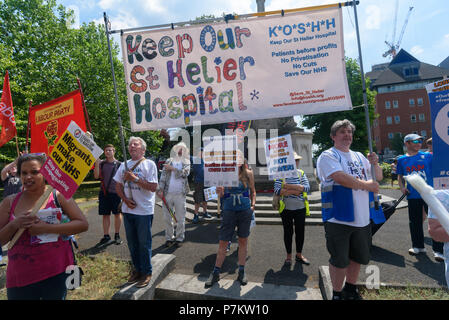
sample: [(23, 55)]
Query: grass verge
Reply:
[(405, 293)]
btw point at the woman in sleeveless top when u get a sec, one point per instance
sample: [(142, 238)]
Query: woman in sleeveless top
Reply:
[(237, 209), (37, 270)]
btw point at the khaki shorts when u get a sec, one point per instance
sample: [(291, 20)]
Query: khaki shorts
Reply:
[(346, 243)]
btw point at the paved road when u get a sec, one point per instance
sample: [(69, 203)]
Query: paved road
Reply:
[(266, 252)]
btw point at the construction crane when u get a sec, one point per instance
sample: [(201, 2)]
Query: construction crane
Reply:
[(393, 48)]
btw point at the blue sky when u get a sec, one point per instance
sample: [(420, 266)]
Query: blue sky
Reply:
[(426, 36)]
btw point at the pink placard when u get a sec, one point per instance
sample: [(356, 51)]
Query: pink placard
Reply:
[(58, 179)]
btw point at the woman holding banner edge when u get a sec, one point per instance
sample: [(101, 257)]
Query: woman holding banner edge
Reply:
[(37, 271), (237, 205)]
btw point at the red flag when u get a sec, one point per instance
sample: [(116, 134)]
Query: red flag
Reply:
[(7, 121), (49, 120)]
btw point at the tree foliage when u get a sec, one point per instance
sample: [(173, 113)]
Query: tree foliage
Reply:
[(45, 56), (323, 122)]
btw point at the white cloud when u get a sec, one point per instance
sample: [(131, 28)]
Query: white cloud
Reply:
[(108, 4), (154, 6), (373, 17), (417, 50)]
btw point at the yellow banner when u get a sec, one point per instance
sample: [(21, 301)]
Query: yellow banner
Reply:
[(72, 157), (54, 112)]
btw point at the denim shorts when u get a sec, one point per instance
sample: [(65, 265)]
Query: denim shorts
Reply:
[(231, 219), (346, 243)]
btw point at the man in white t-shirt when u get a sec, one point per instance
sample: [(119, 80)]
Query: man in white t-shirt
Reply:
[(346, 183), (174, 186), (136, 187)]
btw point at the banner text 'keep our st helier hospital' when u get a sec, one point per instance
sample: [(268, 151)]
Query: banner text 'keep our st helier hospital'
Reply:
[(256, 68)]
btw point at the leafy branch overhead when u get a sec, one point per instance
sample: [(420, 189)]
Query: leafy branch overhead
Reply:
[(45, 55)]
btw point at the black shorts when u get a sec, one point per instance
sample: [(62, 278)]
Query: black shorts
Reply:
[(394, 176), (198, 193), (346, 243), (108, 203)]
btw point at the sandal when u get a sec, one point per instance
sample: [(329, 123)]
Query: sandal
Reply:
[(288, 261)]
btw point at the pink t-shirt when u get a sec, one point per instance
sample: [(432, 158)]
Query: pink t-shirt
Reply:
[(30, 263)]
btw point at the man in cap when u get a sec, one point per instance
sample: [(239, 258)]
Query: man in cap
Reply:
[(417, 162)]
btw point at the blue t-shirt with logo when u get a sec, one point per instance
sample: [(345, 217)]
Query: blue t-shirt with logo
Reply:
[(420, 163)]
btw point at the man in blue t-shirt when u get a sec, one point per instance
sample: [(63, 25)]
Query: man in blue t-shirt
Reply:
[(415, 161)]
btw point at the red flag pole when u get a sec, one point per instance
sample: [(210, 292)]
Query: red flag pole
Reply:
[(28, 125), (84, 104)]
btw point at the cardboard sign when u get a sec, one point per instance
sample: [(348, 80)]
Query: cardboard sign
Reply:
[(248, 69), (70, 160), (280, 158), (220, 161)]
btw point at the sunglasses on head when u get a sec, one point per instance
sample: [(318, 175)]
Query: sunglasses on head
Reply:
[(416, 141)]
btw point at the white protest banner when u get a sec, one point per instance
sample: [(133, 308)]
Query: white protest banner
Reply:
[(280, 158), (220, 161), (255, 68), (438, 93)]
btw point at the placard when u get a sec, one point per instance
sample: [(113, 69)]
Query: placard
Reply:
[(70, 160), (280, 158), (220, 161), (438, 93)]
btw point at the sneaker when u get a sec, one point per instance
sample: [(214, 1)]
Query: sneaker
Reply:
[(228, 247), (415, 251), (207, 215), (117, 239), (351, 295), (242, 278), (195, 219), (214, 277), (104, 240), (438, 257), (144, 281)]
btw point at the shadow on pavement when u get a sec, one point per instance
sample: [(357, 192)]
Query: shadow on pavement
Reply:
[(386, 256)]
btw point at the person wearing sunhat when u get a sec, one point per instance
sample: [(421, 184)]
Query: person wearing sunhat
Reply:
[(294, 196), (416, 161), (174, 186)]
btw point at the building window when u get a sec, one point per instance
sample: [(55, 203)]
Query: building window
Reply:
[(413, 118), (390, 135), (424, 133), (395, 104), (397, 119), (421, 117), (420, 102), (389, 120), (411, 102), (387, 105)]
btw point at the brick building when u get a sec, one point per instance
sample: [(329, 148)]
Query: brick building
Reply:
[(402, 104)]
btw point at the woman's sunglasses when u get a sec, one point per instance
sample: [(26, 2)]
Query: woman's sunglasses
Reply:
[(416, 141)]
